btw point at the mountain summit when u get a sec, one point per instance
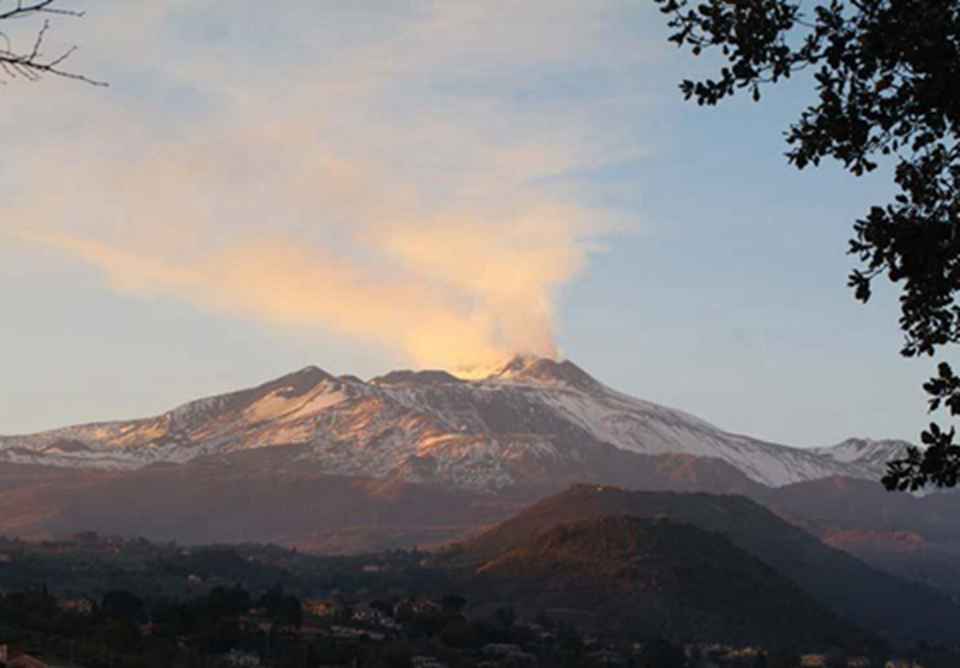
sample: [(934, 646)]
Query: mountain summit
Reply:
[(532, 369), (530, 421)]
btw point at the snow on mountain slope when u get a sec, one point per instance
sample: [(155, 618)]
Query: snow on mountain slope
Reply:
[(523, 423), (867, 454)]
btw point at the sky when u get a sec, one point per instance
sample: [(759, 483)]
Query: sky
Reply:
[(377, 185)]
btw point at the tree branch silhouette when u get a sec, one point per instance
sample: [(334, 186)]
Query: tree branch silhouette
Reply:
[(883, 76), (31, 63)]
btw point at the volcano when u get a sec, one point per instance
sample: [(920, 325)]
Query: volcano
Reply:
[(532, 421)]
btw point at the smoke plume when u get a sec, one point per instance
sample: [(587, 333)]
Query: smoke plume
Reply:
[(258, 223), (377, 178)]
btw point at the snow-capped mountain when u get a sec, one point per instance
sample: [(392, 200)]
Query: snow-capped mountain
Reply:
[(528, 422), (865, 453)]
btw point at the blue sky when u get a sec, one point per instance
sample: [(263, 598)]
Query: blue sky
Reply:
[(425, 184)]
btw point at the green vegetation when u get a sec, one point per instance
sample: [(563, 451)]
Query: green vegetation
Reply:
[(106, 602), (884, 74)]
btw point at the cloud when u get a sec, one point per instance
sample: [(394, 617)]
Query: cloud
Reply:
[(343, 191), (435, 311), (282, 284), (265, 222)]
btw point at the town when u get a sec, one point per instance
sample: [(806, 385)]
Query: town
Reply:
[(190, 606)]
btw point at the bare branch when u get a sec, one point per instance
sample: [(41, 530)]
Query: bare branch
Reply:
[(40, 6), (32, 65)]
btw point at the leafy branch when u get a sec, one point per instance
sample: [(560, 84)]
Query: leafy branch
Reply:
[(884, 77)]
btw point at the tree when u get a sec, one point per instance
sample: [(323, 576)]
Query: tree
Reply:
[(122, 604), (453, 603), (836, 658), (505, 616), (660, 653), (885, 75), (29, 62), (570, 647), (784, 659), (283, 609)]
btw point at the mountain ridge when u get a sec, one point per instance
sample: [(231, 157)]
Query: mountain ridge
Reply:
[(511, 427), (659, 576), (847, 586)]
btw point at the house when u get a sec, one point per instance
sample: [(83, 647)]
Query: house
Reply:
[(427, 662), (511, 653), (744, 653), (241, 659), (606, 657), (368, 615), (352, 632), (416, 606), (79, 606), (320, 608)]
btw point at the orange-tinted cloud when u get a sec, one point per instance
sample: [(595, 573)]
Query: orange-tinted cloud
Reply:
[(433, 313), (321, 206)]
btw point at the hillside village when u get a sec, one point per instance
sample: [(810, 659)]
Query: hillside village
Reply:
[(379, 619)]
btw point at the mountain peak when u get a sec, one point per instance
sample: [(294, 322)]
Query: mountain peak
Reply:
[(533, 369), (311, 370), (527, 419), (408, 377), (868, 454), (300, 381)]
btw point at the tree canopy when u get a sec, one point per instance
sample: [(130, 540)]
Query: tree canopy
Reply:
[(886, 90)]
